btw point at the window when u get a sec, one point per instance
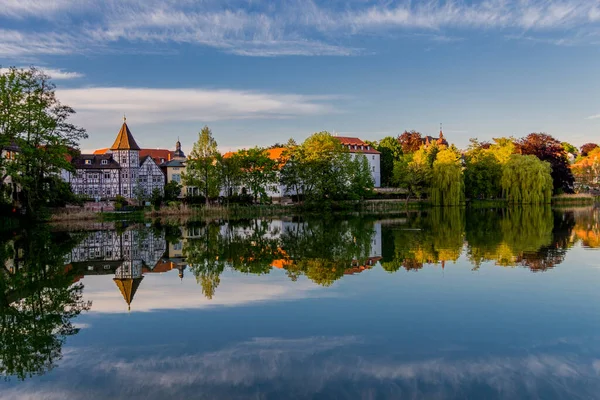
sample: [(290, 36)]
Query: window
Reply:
[(106, 176), (104, 162), (156, 179), (373, 157), (123, 160), (373, 168), (88, 162), (125, 192), (176, 169), (108, 192), (176, 178)]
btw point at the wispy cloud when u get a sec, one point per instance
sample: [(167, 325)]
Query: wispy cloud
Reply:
[(261, 28), (593, 116)]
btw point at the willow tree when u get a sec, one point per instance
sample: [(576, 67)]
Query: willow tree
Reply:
[(527, 180), (447, 183)]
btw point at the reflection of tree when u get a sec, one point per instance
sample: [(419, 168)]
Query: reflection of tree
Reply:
[(324, 249), (433, 237), (531, 236), (37, 304), (320, 249), (587, 228)]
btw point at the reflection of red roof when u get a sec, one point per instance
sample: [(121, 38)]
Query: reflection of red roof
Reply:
[(160, 267), (356, 145)]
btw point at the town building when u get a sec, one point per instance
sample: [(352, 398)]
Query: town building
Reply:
[(358, 147), (120, 170)]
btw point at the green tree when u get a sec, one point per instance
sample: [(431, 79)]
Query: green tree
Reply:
[(32, 118), (447, 184), (527, 180), (172, 191), (202, 166), (482, 173), (412, 173), (361, 180), (391, 151), (231, 173), (156, 198), (258, 172)]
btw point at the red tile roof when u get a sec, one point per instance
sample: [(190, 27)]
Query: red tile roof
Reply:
[(352, 142), (159, 155)]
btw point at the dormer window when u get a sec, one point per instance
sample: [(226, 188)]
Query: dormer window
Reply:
[(88, 162), (123, 160), (104, 162), (368, 147)]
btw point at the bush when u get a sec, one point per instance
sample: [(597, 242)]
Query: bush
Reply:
[(120, 202)]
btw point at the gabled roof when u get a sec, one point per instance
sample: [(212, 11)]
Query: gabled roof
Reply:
[(125, 140), (159, 155)]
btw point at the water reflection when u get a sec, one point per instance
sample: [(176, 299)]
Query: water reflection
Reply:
[(42, 278), (38, 301)]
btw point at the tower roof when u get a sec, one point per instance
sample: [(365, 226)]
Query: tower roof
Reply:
[(125, 140), (128, 287)]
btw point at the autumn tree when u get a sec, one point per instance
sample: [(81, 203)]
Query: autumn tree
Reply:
[(410, 141), (586, 171), (202, 166), (587, 148), (546, 148)]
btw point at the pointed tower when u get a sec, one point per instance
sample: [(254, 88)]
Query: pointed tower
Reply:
[(128, 278), (127, 153), (178, 154)]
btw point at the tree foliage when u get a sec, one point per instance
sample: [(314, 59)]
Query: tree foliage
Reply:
[(202, 166), (546, 148), (258, 172), (482, 173), (447, 184), (410, 141), (527, 180), (587, 148), (33, 120), (391, 151)]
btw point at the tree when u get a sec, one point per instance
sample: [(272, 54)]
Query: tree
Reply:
[(410, 141), (202, 170), (413, 173), (546, 148), (586, 171), (34, 121), (447, 184), (172, 191), (502, 149), (527, 180), (587, 148), (258, 171), (482, 173), (569, 148), (391, 151), (231, 173), (361, 180), (156, 198)]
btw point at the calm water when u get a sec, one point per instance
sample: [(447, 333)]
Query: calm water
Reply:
[(445, 304)]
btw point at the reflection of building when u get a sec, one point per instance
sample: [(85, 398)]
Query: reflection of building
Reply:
[(126, 255)]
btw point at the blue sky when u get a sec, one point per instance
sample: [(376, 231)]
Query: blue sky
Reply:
[(259, 72)]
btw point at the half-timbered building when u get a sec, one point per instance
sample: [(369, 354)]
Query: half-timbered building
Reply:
[(118, 171)]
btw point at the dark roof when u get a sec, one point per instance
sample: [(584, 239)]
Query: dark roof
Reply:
[(96, 161), (125, 140), (173, 163)]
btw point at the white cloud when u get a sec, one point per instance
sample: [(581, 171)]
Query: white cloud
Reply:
[(101, 106), (593, 116), (55, 74)]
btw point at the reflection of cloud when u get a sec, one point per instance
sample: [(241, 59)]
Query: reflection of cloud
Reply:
[(166, 291), (340, 367)]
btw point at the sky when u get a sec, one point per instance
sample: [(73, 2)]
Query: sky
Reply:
[(259, 72)]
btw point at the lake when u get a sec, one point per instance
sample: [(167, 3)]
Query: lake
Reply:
[(436, 304)]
